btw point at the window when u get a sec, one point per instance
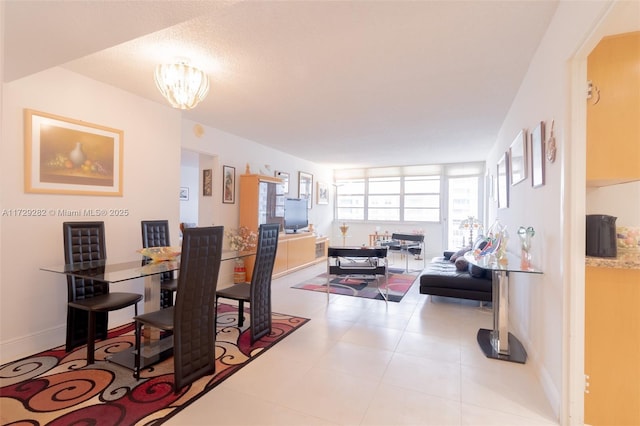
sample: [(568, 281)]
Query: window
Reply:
[(394, 198), (350, 199), (383, 201), (408, 193)]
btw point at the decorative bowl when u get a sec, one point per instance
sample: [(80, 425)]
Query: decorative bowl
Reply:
[(160, 254)]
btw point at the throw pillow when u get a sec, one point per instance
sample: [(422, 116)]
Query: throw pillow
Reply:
[(459, 253), (461, 264), (476, 271)]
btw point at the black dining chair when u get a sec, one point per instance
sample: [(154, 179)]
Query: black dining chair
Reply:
[(258, 292), (89, 301), (192, 319), (407, 245), (155, 233)]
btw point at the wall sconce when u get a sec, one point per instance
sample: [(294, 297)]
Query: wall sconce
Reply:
[(182, 85)]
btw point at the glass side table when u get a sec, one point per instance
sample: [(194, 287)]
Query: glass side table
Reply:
[(499, 343)]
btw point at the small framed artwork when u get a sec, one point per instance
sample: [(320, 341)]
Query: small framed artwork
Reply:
[(518, 158), (67, 156), (305, 187), (285, 180), (537, 155), (207, 182), (322, 193), (228, 184), (503, 181), (184, 193)]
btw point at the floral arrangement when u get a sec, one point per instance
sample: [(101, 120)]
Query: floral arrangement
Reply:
[(242, 239)]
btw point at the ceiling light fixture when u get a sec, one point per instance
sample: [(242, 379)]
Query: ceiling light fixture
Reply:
[(182, 85)]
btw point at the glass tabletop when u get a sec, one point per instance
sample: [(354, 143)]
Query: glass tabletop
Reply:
[(511, 263), (112, 272)]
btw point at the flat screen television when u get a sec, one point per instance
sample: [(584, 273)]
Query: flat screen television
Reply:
[(295, 214)]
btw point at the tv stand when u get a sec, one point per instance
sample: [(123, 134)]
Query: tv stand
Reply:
[(299, 250)]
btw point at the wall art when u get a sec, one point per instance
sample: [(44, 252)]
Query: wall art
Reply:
[(228, 184), (503, 181), (322, 193), (537, 156), (518, 158), (68, 156), (207, 182), (184, 193)]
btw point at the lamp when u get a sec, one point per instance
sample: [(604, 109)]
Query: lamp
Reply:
[(182, 85), (470, 223)]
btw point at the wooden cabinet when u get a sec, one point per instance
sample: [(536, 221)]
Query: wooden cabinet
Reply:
[(297, 251), (612, 346), (613, 112), (262, 201)]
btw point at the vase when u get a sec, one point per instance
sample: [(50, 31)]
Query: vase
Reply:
[(239, 271), (77, 156), (525, 235)]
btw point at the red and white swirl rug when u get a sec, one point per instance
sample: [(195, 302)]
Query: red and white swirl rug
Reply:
[(57, 388)]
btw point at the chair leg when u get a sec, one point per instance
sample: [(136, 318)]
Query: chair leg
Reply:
[(91, 339), (240, 313), (138, 349), (215, 316)]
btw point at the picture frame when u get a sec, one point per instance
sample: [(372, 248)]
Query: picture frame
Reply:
[(322, 193), (285, 180), (537, 155), (68, 156), (228, 185), (503, 181), (184, 193), (305, 187), (518, 158), (207, 182)]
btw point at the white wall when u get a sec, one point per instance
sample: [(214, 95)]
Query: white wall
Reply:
[(232, 150), (33, 302), (621, 201), (190, 178), (538, 302)]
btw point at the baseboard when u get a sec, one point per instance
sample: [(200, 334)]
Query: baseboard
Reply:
[(554, 398), (24, 346)]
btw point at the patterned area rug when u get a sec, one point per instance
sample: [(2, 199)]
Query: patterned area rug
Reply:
[(399, 283), (57, 388)]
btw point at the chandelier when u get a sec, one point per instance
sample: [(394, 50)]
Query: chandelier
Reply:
[(182, 85)]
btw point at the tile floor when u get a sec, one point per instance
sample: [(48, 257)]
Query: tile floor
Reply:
[(361, 362)]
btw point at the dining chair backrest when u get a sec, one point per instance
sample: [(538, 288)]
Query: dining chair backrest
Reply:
[(155, 233), (417, 238), (194, 312), (84, 242), (260, 312)]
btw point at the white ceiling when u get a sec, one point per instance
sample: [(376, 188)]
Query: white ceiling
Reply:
[(343, 83)]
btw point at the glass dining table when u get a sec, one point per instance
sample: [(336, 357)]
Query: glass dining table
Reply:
[(118, 272)]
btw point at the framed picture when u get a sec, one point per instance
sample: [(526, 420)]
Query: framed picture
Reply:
[(503, 181), (518, 158), (537, 155), (207, 182), (67, 156), (285, 180), (305, 187), (184, 193), (228, 184), (323, 193)]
